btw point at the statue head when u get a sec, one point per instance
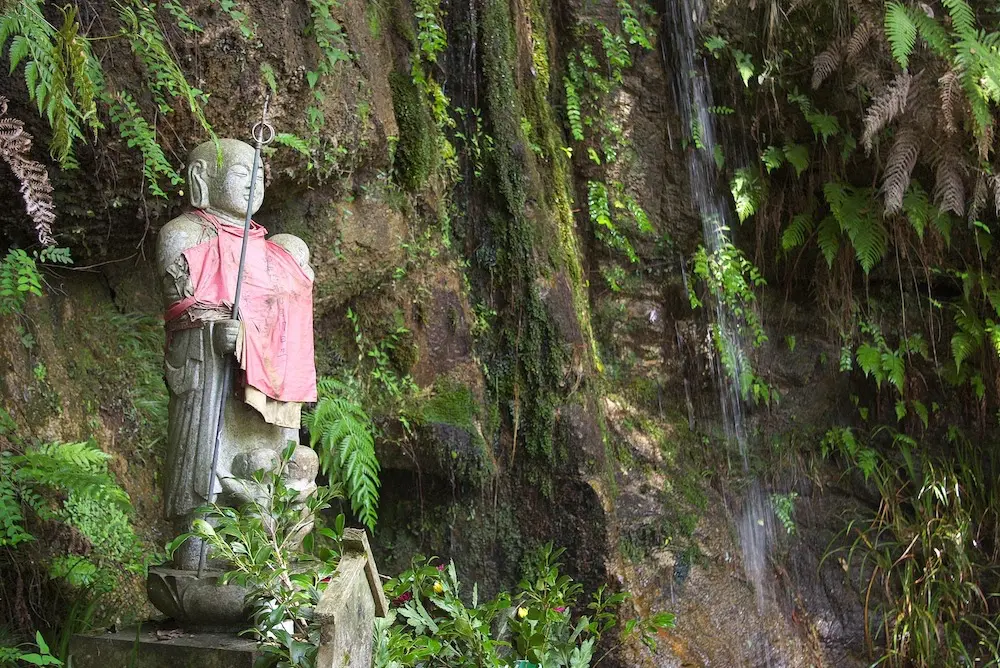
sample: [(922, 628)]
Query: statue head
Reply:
[(224, 186)]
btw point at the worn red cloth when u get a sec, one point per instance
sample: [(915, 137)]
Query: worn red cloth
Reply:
[(275, 307)]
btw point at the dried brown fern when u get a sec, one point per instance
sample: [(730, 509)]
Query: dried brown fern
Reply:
[(827, 62), (995, 182), (860, 38), (949, 189), (886, 107), (980, 193), (902, 159), (951, 100), (15, 148)]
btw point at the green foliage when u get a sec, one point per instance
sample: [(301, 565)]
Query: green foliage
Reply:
[(345, 437), (69, 483), (431, 37), (137, 133), (855, 212), (926, 569), (901, 32), (41, 657), (68, 83), (19, 278), (232, 9), (748, 190), (732, 279), (61, 74), (784, 507), (285, 562), (432, 626)]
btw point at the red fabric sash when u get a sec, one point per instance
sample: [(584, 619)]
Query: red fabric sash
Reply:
[(275, 307)]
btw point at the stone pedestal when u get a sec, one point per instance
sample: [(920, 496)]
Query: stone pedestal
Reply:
[(348, 608), (197, 602), (154, 646)]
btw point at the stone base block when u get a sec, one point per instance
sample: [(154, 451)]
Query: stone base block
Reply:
[(153, 646)]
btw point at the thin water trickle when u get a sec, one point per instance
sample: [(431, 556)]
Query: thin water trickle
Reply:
[(692, 93)]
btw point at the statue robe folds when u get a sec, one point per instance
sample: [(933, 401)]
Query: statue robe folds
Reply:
[(274, 349)]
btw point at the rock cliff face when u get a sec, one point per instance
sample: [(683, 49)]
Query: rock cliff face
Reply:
[(586, 410)]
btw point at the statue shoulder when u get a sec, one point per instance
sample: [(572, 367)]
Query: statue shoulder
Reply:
[(297, 248), (183, 232)]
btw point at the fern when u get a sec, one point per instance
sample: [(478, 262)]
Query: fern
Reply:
[(853, 210), (15, 149), (826, 63), (828, 239), (963, 20), (748, 192), (19, 278), (137, 133), (797, 156), (605, 229), (345, 437), (60, 73), (632, 27), (885, 108), (949, 188), (901, 32), (78, 468), (902, 160), (795, 234), (859, 39), (163, 74)]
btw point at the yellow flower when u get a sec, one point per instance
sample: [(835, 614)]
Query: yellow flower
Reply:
[(522, 613), (438, 587)]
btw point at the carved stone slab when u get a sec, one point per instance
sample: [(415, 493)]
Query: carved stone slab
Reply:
[(349, 606)]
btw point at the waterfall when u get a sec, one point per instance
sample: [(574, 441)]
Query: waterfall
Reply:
[(692, 92)]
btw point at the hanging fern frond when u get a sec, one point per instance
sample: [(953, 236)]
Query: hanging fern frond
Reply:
[(828, 239), (826, 63), (853, 209), (980, 193), (936, 37), (901, 32), (918, 208), (885, 108), (859, 40), (949, 188), (951, 99), (796, 232), (963, 19), (995, 182), (345, 437), (15, 149), (902, 159), (77, 467)]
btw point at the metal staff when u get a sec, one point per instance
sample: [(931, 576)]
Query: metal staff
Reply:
[(263, 134)]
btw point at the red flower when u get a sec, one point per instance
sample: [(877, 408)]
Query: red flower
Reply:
[(561, 608), (440, 567), (402, 598)]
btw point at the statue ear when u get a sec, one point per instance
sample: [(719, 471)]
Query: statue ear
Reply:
[(197, 181)]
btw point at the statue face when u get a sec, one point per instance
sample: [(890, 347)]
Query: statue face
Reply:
[(229, 191), (226, 187)]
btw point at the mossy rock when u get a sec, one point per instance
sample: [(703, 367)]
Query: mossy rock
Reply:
[(416, 152)]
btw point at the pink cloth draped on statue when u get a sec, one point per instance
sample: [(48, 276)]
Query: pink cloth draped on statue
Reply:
[(275, 307)]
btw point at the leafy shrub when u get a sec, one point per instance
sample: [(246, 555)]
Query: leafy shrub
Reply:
[(431, 625)]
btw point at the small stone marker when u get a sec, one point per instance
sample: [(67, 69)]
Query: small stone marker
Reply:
[(349, 605)]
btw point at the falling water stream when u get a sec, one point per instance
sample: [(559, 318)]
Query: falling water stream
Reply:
[(692, 92)]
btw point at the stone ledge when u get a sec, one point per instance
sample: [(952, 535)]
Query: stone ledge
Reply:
[(143, 648)]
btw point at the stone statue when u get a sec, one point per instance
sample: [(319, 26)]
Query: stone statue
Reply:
[(196, 259)]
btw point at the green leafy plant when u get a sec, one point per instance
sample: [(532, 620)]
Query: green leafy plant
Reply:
[(284, 562), (344, 436), (431, 625)]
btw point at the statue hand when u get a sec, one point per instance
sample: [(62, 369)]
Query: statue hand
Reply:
[(224, 334)]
